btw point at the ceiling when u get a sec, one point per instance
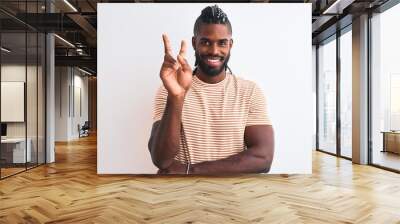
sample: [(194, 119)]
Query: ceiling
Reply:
[(76, 22)]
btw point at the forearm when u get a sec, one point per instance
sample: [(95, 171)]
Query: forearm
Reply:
[(243, 162), (165, 144)]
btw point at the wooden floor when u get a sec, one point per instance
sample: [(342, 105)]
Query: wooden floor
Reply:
[(70, 191)]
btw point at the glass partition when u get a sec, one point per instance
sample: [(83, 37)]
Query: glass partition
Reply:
[(327, 96), (22, 101), (13, 110)]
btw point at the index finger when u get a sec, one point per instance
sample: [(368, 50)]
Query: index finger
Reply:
[(167, 45)]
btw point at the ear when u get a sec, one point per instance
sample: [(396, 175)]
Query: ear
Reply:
[(194, 42), (231, 42)]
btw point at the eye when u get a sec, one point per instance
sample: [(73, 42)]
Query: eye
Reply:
[(223, 43), (205, 42)]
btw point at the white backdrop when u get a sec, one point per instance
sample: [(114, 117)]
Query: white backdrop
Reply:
[(272, 46)]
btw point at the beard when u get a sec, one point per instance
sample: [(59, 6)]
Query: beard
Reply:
[(211, 71)]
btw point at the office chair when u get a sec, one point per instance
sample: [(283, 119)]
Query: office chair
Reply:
[(84, 130)]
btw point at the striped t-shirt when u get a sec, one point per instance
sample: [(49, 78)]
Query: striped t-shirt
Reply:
[(214, 117)]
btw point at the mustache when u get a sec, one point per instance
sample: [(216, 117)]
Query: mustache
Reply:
[(212, 56)]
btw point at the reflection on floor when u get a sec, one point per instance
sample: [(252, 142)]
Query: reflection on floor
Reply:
[(386, 159), (346, 152), (10, 169)]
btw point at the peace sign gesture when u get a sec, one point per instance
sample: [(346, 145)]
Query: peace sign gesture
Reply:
[(176, 74)]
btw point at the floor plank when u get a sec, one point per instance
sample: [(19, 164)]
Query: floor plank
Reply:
[(70, 191)]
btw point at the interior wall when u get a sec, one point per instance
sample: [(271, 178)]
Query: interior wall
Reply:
[(80, 110), (33, 126), (16, 72), (70, 109), (62, 80)]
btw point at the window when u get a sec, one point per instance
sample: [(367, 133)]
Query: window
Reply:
[(327, 96), (346, 94), (385, 89)]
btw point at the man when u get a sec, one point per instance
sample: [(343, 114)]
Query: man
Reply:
[(207, 120)]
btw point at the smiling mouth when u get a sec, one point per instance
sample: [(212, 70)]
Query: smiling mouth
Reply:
[(213, 61)]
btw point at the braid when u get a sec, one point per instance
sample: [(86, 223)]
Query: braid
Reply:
[(212, 15)]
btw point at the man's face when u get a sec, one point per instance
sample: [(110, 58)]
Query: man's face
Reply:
[(212, 48)]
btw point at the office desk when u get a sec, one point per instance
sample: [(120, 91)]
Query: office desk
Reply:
[(391, 141), (13, 150)]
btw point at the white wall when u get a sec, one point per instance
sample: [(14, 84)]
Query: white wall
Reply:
[(68, 81), (33, 127), (61, 103), (11, 73), (17, 73), (80, 84), (272, 46)]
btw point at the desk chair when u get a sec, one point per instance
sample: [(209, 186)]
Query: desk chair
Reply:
[(84, 130)]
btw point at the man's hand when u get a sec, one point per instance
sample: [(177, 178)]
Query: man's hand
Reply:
[(176, 74), (176, 167)]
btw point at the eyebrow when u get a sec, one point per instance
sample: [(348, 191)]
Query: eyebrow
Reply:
[(204, 38)]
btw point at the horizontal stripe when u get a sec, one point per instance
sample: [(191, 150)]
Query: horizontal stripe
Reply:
[(215, 117)]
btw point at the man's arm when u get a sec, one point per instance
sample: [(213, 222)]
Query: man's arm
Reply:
[(256, 159), (176, 75), (165, 134)]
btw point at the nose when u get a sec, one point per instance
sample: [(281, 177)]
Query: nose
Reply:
[(214, 49)]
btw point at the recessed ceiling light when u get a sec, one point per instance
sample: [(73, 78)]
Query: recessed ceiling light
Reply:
[(64, 40), (5, 50), (84, 71), (70, 5), (337, 7)]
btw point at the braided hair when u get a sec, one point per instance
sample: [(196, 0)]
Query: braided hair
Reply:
[(211, 15)]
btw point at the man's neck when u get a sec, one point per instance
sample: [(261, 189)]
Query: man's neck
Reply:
[(210, 79)]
